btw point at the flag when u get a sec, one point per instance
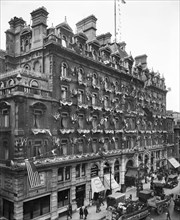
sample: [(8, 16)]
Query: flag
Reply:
[(33, 175), (123, 1)]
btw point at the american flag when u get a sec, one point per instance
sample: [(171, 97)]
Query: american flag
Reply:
[(33, 175)]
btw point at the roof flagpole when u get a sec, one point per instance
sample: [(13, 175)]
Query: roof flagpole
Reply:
[(115, 20)]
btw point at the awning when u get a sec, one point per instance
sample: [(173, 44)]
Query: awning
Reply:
[(133, 172), (174, 162), (114, 185), (96, 185)]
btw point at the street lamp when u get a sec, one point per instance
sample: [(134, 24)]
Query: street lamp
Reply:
[(107, 165)]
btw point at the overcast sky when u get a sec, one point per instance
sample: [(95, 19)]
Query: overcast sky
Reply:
[(148, 27)]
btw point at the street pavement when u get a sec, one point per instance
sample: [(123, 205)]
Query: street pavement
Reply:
[(132, 190)]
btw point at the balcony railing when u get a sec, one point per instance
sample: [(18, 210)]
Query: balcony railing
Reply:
[(24, 89)]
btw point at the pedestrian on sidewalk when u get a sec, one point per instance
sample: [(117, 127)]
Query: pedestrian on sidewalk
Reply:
[(81, 212), (168, 217), (85, 212), (70, 210)]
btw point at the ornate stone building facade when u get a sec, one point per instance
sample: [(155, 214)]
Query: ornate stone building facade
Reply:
[(82, 109)]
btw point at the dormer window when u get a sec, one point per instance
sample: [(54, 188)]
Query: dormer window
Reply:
[(64, 70), (64, 41)]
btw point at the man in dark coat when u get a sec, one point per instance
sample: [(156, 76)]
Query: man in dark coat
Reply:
[(81, 212), (85, 212)]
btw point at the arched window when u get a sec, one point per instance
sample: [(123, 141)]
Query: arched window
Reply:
[(63, 69), (1, 85), (116, 171), (34, 84), (80, 75), (11, 82)]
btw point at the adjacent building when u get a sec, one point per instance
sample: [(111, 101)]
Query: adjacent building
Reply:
[(82, 109)]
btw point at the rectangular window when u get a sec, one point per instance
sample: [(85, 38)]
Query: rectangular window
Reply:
[(60, 174), (80, 97), (8, 209), (94, 99), (83, 172), (77, 171), (81, 121), (64, 93), (4, 118), (68, 173), (94, 145), (63, 198), (36, 207)]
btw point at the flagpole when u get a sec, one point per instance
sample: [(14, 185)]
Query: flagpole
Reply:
[(115, 20)]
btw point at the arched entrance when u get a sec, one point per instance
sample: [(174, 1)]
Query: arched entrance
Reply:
[(130, 175), (116, 171), (130, 163)]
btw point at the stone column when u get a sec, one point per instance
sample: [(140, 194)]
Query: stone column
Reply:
[(18, 210), (73, 188), (54, 195), (122, 172), (88, 184)]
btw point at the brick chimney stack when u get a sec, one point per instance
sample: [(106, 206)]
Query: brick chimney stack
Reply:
[(141, 59), (88, 26)]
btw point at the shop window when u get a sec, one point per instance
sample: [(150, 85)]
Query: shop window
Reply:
[(63, 69), (63, 198), (8, 209), (61, 174), (77, 171), (36, 207), (4, 118)]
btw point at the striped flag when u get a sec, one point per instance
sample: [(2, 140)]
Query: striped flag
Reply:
[(33, 175)]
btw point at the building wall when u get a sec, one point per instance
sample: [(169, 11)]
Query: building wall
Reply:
[(100, 107)]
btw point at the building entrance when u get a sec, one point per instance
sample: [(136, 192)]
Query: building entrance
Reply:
[(80, 195)]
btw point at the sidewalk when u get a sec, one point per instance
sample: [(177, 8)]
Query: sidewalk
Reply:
[(101, 215), (92, 214)]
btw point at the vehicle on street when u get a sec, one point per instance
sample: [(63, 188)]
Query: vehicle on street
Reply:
[(158, 188), (172, 181), (177, 203), (126, 209), (155, 201)]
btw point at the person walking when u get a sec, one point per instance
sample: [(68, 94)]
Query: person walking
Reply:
[(70, 210), (85, 212), (81, 212), (168, 217)]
